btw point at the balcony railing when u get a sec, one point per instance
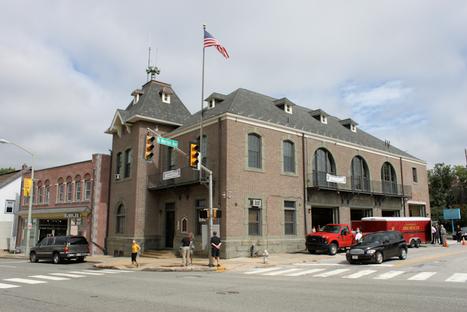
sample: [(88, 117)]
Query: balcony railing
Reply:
[(317, 179), (187, 176)]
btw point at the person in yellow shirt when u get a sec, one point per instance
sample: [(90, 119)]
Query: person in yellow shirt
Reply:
[(135, 248)]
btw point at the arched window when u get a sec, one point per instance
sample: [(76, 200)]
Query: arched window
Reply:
[(78, 188), (69, 189), (87, 187), (388, 179), (40, 193), (184, 227), (46, 191), (120, 226), (254, 151), (61, 190), (324, 164), (360, 174), (289, 156)]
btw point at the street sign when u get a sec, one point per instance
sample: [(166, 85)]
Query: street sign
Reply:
[(168, 142), (172, 174), (451, 214)]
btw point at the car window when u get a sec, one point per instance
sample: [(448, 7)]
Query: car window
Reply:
[(79, 240), (330, 229), (43, 242), (60, 240), (375, 238), (50, 241)]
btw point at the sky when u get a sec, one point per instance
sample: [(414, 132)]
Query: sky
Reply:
[(398, 68)]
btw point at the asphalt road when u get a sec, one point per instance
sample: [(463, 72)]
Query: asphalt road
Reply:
[(432, 279)]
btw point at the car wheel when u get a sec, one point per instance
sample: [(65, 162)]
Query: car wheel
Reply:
[(332, 250), (56, 258), (378, 257), (403, 254), (33, 257)]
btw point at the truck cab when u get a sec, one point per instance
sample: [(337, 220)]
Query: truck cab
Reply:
[(330, 239)]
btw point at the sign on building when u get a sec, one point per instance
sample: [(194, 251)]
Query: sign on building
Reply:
[(172, 174), (335, 179)]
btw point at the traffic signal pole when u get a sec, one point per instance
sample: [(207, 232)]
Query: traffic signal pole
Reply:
[(210, 217)]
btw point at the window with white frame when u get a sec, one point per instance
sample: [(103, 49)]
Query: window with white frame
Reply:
[(289, 156), (9, 206), (127, 163), (254, 151), (289, 217), (61, 191), (78, 190), (87, 189), (254, 220), (69, 191), (46, 192)]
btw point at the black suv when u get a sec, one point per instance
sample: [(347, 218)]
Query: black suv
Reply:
[(377, 247), (58, 248)]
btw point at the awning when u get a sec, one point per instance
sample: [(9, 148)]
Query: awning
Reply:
[(56, 213)]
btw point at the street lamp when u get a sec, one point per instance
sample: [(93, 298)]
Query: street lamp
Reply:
[(28, 231)]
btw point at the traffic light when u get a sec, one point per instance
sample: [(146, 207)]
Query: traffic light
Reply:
[(203, 214), (217, 214), (194, 156), (149, 146)]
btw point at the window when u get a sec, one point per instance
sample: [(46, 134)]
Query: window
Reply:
[(118, 165), (323, 164), (388, 179), (254, 220), (184, 225), (120, 226), (69, 190), (61, 191), (127, 163), (87, 189), (288, 108), (47, 192), (166, 98), (289, 217), (360, 175), (171, 158), (40, 193), (200, 204), (78, 188), (9, 206), (289, 156), (324, 119), (414, 175), (254, 151)]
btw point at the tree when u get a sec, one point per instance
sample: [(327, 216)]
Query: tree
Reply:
[(6, 170), (441, 179)]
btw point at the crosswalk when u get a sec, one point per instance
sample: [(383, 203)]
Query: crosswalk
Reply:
[(356, 273), (16, 282)]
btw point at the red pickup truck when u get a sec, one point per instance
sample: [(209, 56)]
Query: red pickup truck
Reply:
[(330, 238)]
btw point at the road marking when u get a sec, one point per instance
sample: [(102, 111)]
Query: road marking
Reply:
[(114, 271), (422, 276), (457, 278), (305, 272), (85, 272), (282, 272), (51, 278), (7, 266), (360, 274), (24, 281), (259, 271), (67, 275), (324, 264), (5, 286), (332, 273), (389, 275)]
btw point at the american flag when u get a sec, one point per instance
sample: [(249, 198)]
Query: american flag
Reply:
[(210, 41)]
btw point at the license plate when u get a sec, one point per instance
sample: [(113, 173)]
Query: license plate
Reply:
[(79, 254), (354, 257)]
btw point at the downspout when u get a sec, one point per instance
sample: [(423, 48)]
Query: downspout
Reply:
[(402, 186), (108, 205), (304, 173)]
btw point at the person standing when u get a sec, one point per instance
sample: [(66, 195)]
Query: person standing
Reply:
[(358, 236), (433, 234), (458, 234), (215, 247), (185, 249), (135, 248), (192, 247), (443, 234)]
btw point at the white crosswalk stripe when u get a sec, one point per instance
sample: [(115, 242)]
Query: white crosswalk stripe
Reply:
[(457, 278), (389, 275), (264, 270), (50, 278), (67, 275), (24, 281), (360, 274), (422, 276), (86, 273), (6, 286), (281, 272), (332, 273), (114, 271), (306, 272)]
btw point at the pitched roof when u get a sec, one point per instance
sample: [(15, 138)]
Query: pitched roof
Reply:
[(9, 177), (258, 106)]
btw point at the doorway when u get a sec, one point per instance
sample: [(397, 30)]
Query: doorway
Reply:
[(169, 225), (322, 216)]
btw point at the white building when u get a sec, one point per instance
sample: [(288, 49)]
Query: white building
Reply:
[(10, 190)]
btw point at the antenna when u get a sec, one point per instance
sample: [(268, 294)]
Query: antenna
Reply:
[(151, 71)]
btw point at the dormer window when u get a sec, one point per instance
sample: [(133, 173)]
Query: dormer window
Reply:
[(136, 95), (166, 98), (212, 103), (320, 115), (288, 108), (165, 94), (214, 99), (324, 119), (353, 128), (349, 124), (285, 104)]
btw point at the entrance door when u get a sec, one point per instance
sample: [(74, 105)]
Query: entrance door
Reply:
[(169, 224), (322, 216)]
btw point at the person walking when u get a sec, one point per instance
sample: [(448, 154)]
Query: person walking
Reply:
[(192, 247), (135, 248), (433, 234), (443, 234), (215, 247), (185, 250), (458, 234), (438, 234), (358, 236)]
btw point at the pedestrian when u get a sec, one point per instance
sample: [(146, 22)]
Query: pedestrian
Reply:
[(438, 234), (192, 247), (185, 250), (215, 247), (358, 236), (443, 234), (433, 234), (135, 248), (313, 230), (458, 234)]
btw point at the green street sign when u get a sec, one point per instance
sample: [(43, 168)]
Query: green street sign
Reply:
[(168, 142)]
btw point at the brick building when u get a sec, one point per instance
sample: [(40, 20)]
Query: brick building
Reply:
[(279, 169), (69, 200)]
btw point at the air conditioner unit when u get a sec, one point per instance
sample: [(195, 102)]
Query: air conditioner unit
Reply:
[(255, 203), (117, 176)]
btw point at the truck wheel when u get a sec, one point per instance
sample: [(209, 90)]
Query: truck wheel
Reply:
[(378, 257), (33, 257), (403, 254), (56, 258), (412, 243), (417, 243), (332, 250)]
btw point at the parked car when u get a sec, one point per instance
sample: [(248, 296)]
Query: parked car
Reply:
[(58, 248), (377, 247), (464, 233), (330, 238)]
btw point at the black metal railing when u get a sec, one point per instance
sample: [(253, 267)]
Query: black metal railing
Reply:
[(359, 184), (187, 176)]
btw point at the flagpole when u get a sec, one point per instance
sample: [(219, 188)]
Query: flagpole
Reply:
[(202, 101)]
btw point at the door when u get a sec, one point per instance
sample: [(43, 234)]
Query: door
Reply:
[(169, 225)]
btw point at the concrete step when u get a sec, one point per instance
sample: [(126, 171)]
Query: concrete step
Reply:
[(159, 254)]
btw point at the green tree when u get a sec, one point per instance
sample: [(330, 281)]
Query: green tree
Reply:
[(441, 179), (6, 170)]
